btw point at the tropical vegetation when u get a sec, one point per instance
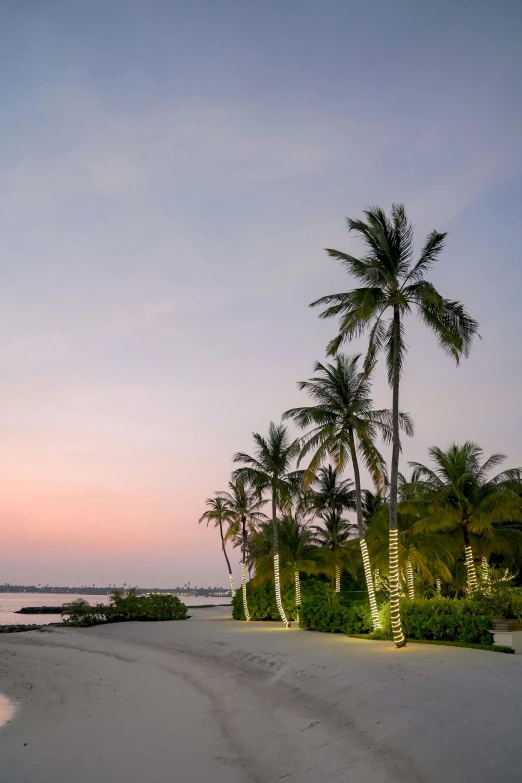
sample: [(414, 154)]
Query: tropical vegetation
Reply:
[(354, 545)]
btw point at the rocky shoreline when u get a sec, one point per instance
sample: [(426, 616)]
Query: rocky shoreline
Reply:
[(40, 610), (31, 627)]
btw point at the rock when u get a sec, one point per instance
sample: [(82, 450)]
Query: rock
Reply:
[(32, 627), (40, 610)]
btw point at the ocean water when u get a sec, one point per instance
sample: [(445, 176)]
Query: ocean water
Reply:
[(10, 602)]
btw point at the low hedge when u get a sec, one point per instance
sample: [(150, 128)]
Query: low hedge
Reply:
[(445, 619), (465, 621), (157, 606)]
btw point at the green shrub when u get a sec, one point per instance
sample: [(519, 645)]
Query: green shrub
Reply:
[(500, 600), (157, 606), (447, 619), (262, 603)]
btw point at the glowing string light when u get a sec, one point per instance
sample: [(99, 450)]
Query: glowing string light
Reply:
[(277, 581), (439, 592), (472, 575), (337, 579), (243, 586), (409, 577), (297, 594), (398, 636), (369, 583), (232, 585)]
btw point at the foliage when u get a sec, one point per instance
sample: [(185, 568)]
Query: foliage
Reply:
[(445, 619), (157, 606), (499, 600)]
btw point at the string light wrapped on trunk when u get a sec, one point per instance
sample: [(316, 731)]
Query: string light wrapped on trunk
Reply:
[(232, 585), (243, 586), (277, 581), (370, 584), (398, 636), (470, 565), (439, 591), (409, 577), (337, 579), (297, 594)]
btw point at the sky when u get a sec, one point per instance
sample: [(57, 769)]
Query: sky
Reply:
[(171, 172)]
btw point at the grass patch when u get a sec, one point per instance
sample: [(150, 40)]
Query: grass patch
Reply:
[(490, 647)]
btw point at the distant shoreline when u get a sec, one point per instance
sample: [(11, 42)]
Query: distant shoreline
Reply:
[(179, 591)]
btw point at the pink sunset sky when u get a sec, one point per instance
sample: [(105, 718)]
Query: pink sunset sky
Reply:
[(168, 186)]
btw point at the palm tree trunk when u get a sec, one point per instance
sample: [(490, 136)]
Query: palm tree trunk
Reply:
[(439, 593), (485, 575), (409, 576), (297, 595), (337, 579), (393, 571), (231, 575), (243, 575), (364, 549), (277, 580), (470, 565)]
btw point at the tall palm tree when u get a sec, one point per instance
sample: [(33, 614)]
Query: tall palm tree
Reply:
[(329, 497), (345, 426), (392, 285), (219, 512), (245, 503), (269, 470), (459, 496)]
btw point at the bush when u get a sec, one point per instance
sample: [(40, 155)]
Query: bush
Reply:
[(262, 602), (448, 619), (502, 600), (330, 613), (158, 606)]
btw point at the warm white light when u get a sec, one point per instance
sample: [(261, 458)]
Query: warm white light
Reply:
[(398, 635), (439, 592), (409, 577), (232, 585), (277, 582), (297, 594), (470, 565), (369, 583), (243, 586), (337, 579)]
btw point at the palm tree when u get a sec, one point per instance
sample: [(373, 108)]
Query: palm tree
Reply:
[(297, 551), (392, 286), (459, 497), (244, 502), (269, 469), (219, 512), (345, 426), (328, 497)]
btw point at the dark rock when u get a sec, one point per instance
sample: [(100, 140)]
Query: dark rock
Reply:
[(32, 627), (40, 610)]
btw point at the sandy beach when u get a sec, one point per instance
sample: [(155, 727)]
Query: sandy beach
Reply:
[(213, 699)]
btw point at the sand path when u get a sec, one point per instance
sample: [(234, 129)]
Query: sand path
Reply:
[(214, 700)]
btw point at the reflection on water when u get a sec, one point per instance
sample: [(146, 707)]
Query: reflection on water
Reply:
[(6, 710)]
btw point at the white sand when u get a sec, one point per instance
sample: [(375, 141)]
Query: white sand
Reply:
[(214, 700)]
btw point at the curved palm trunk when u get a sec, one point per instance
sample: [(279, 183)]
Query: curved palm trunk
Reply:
[(231, 575), (364, 549), (393, 571), (243, 575), (297, 594), (277, 580), (409, 576), (439, 592), (337, 579), (470, 565)]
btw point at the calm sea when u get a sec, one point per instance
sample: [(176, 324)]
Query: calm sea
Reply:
[(10, 602)]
